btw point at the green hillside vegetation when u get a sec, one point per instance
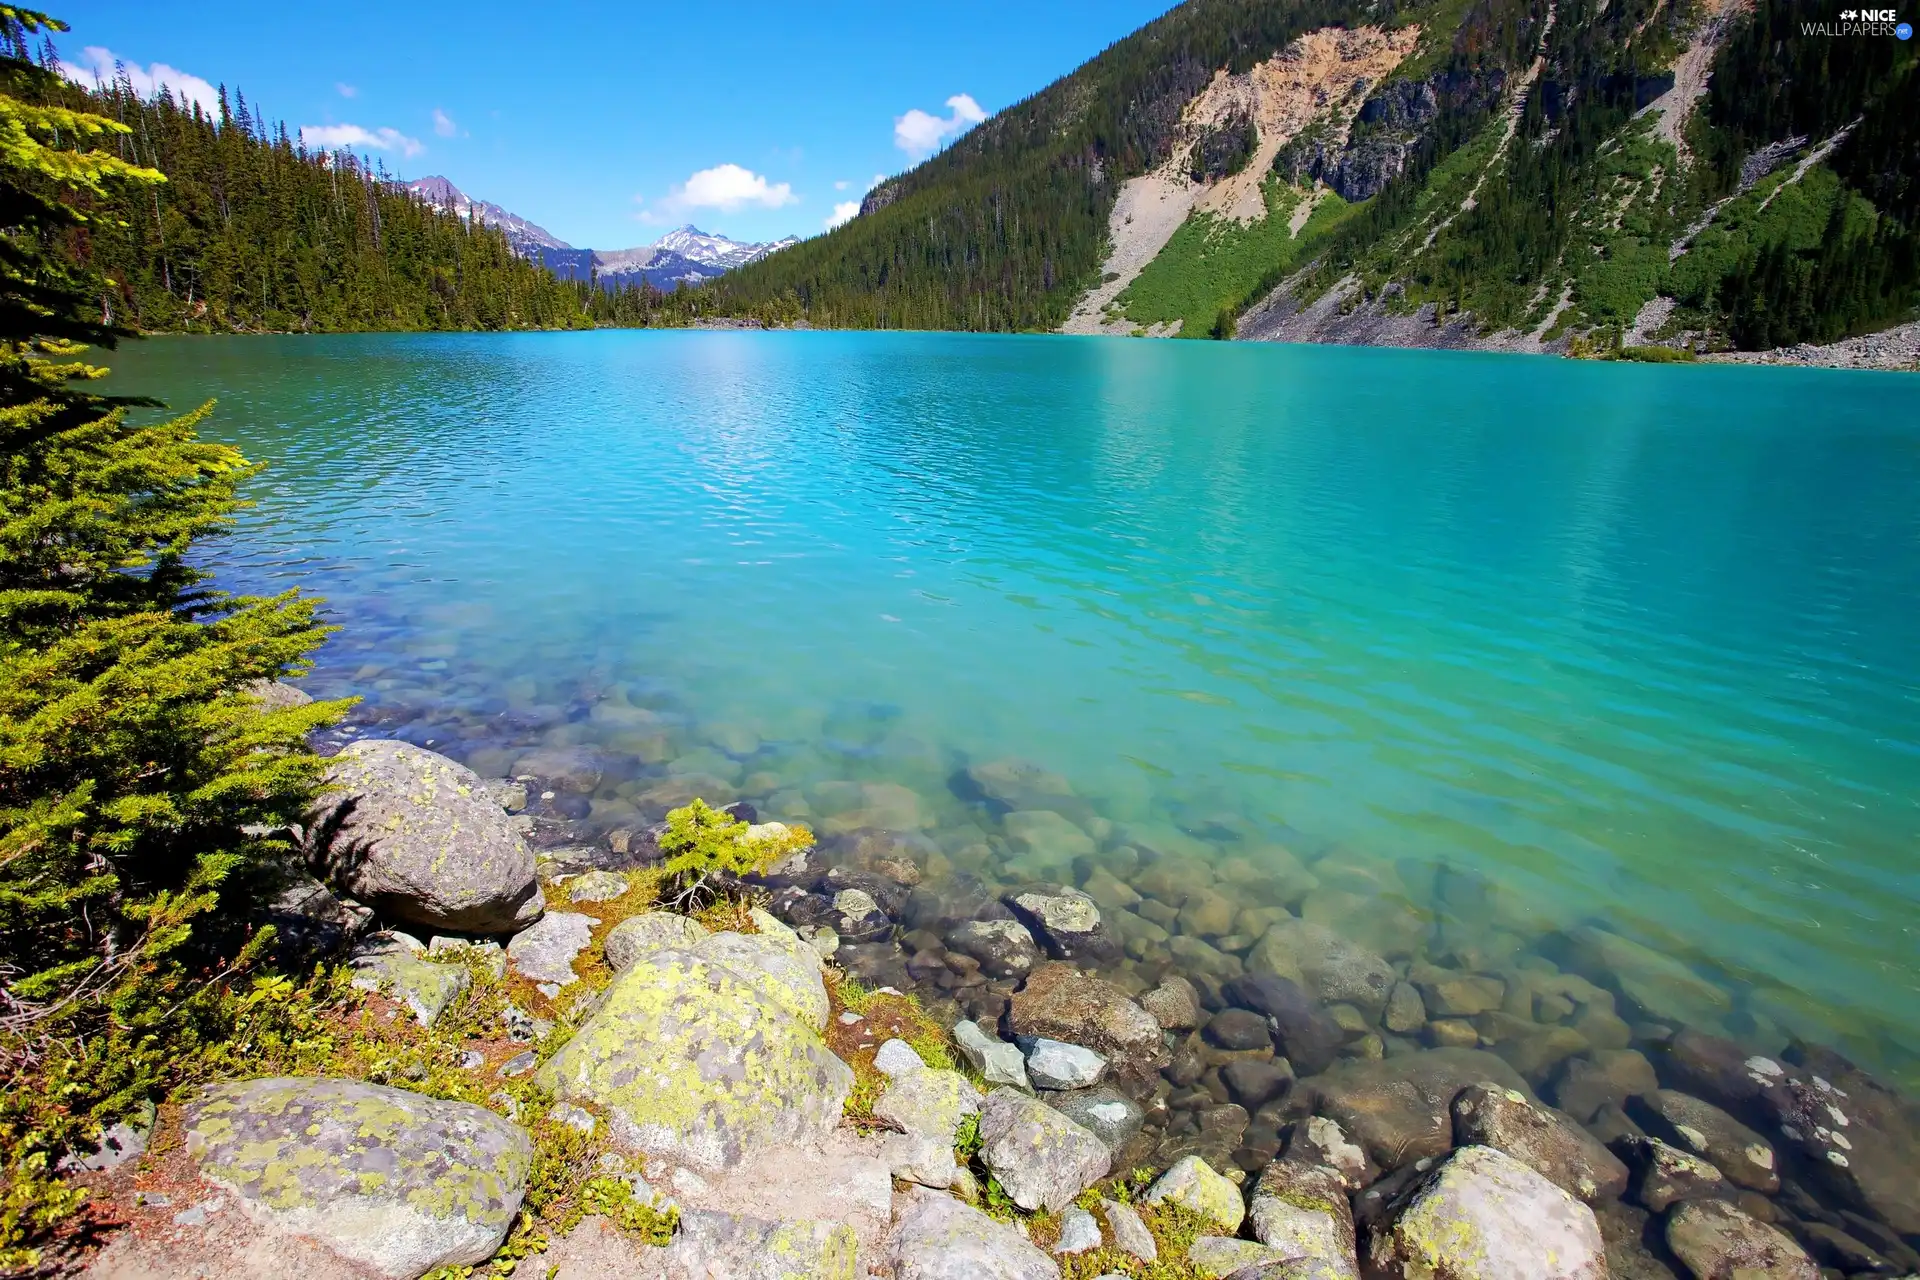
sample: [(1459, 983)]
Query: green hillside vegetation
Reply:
[(1213, 267)]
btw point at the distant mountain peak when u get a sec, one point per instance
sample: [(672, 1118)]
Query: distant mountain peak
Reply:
[(523, 235)]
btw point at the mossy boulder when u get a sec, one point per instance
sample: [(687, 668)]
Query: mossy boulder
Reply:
[(702, 1057), (1193, 1184), (646, 933), (394, 1181), (420, 838), (396, 965)]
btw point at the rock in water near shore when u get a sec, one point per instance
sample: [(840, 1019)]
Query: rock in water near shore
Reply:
[(702, 1057), (1059, 1002), (1040, 1157), (1483, 1215), (1300, 1208), (1718, 1242), (392, 1180), (1544, 1140), (418, 837), (939, 1238), (1333, 969), (1400, 1109)]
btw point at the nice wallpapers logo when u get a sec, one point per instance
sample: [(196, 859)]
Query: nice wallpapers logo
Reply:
[(1862, 22)]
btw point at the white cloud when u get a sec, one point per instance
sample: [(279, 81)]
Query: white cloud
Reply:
[(841, 185), (101, 67), (346, 90), (730, 188), (920, 134), (844, 212), (443, 124), (333, 137)]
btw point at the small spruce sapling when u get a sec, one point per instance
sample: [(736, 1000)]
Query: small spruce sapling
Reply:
[(709, 851)]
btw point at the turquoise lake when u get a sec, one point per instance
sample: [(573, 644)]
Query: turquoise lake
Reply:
[(1638, 645)]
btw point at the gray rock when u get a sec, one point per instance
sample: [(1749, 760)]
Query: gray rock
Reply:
[(787, 968), (488, 956), (1238, 1029), (572, 769), (596, 886), (939, 1238), (1302, 1031), (896, 1058), (1066, 922), (646, 933), (997, 1061), (1078, 1232), (1193, 1184), (1130, 1234), (309, 915), (1174, 1004), (1041, 1158), (120, 1142), (1301, 1209), (1542, 1139), (276, 695), (1004, 948), (1223, 1256), (1107, 1113), (1666, 1175), (1253, 1082), (1054, 1064), (1333, 969), (1718, 1242), (1320, 1141), (1400, 1109), (1060, 1002), (1483, 1215), (928, 1106), (394, 964), (700, 1058), (416, 836), (1684, 1121), (394, 1181), (743, 1248), (544, 952)]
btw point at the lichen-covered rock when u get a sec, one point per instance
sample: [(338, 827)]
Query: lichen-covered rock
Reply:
[(1482, 1215), (787, 969), (1301, 1209), (394, 964), (392, 1180), (1400, 1109), (544, 951), (1224, 1256), (997, 1061), (1130, 1234), (1540, 1138), (744, 1248), (646, 933), (1718, 1242), (1666, 1175), (1078, 1232), (596, 886), (939, 1238), (1004, 948), (1333, 969), (1193, 1184), (1054, 1064), (691, 1058), (418, 837), (1108, 1114), (1041, 1158), (1060, 1002), (1065, 921), (928, 1106), (1687, 1122)]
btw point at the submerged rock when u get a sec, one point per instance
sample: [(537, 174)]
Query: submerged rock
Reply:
[(1718, 1242), (1326, 964), (1482, 1215), (1542, 1139), (1685, 1121), (394, 1181), (1059, 1002), (1040, 1157), (1004, 948), (1301, 1030), (1665, 1176), (1400, 1109), (1174, 1004), (1067, 922), (418, 837), (699, 1059), (1660, 986)]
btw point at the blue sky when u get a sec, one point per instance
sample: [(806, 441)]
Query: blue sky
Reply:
[(609, 123)]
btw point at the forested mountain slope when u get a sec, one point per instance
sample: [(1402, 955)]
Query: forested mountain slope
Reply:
[(1525, 174)]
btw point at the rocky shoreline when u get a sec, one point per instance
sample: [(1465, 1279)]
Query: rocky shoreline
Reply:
[(1154, 1053)]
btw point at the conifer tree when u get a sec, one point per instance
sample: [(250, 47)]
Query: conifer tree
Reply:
[(136, 755)]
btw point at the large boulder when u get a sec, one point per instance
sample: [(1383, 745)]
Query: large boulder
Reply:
[(1482, 1215), (1335, 970), (420, 838), (1400, 1109), (1041, 1158), (1716, 1241), (700, 1056), (1059, 1002), (1539, 1137), (1655, 983), (394, 1181), (939, 1238)]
